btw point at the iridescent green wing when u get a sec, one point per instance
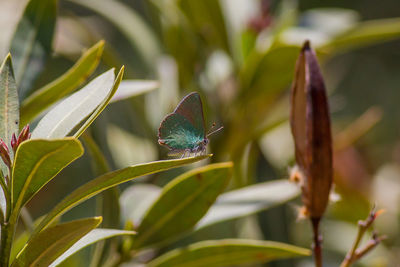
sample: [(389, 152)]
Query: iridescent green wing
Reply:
[(191, 108), (177, 133)]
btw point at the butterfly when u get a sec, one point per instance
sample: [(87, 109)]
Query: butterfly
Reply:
[(183, 131)]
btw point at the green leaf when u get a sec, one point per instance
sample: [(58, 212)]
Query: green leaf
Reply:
[(37, 162), (228, 252), (109, 180), (9, 106), (208, 20), (249, 200), (59, 121), (32, 41), (51, 243), (182, 203), (130, 23), (44, 97), (136, 200), (363, 34), (89, 239), (103, 104), (131, 88)]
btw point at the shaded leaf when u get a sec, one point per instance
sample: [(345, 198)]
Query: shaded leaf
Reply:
[(37, 162), (59, 121), (32, 41), (131, 88), (228, 252), (44, 97), (48, 245), (109, 180), (182, 203), (363, 34), (208, 20), (123, 17), (249, 200), (89, 239), (136, 200), (103, 104)]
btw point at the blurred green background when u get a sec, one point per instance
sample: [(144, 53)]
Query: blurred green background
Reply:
[(240, 55)]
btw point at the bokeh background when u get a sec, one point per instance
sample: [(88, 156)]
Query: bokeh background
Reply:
[(240, 55)]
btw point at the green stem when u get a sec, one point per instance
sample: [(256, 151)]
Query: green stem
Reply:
[(7, 196), (7, 237)]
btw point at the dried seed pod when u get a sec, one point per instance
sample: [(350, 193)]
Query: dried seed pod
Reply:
[(310, 124)]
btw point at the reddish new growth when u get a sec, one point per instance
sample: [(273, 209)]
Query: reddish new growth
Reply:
[(15, 142)]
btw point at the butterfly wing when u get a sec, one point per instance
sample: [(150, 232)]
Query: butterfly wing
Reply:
[(178, 133), (191, 108)]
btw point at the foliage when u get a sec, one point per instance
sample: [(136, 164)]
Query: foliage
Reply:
[(241, 62)]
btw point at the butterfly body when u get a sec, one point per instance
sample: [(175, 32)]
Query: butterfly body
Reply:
[(183, 131)]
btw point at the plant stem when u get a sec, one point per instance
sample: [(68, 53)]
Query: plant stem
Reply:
[(7, 237), (354, 254), (317, 242)]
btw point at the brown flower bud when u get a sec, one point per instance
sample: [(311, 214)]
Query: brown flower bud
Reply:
[(310, 124)]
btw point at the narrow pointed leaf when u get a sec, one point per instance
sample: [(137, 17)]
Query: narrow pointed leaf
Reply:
[(59, 121), (123, 17), (9, 106), (182, 203), (51, 243), (363, 34), (131, 88), (32, 41), (228, 252), (44, 97), (37, 162), (94, 236), (109, 180), (249, 200), (103, 105)]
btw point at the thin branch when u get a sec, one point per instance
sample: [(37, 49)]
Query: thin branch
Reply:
[(355, 254)]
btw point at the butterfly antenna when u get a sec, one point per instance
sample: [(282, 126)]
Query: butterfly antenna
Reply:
[(213, 132)]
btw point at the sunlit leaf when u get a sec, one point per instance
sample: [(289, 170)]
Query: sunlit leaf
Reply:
[(44, 97), (92, 237), (131, 88), (59, 121), (9, 106), (249, 200), (182, 203), (49, 244), (37, 162), (109, 180), (228, 252), (102, 105)]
